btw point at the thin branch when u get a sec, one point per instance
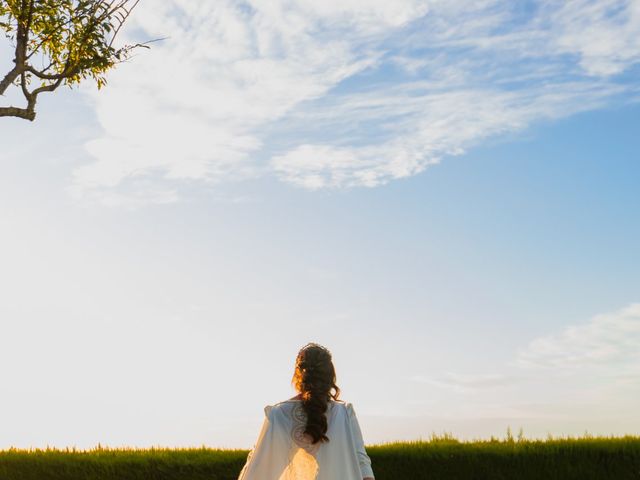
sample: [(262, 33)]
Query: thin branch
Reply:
[(23, 85), (121, 21), (52, 76)]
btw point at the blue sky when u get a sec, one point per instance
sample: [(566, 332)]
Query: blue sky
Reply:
[(444, 195)]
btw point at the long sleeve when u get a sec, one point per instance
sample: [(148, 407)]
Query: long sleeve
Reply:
[(363, 459), (268, 458)]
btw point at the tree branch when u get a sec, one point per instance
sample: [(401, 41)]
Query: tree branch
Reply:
[(52, 76), (8, 79), (82, 45), (17, 112)]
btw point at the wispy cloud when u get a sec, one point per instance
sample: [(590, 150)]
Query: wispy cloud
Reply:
[(343, 93), (606, 346), (608, 341), (579, 376), (193, 107), (604, 34), (422, 126)]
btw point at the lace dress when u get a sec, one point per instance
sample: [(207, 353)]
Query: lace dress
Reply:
[(284, 452)]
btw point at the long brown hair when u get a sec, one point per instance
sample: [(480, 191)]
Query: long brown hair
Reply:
[(314, 378)]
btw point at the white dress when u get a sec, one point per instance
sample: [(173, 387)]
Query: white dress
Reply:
[(284, 452)]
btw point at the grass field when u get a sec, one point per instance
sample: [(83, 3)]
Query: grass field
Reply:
[(445, 458)]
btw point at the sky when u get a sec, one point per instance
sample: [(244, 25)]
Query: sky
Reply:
[(442, 193)]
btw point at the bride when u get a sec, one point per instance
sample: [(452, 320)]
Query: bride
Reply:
[(312, 436)]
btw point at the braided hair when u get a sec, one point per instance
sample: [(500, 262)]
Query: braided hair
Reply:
[(314, 378)]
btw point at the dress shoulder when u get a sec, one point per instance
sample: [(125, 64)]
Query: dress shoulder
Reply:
[(280, 406), (283, 402), (292, 401), (349, 407)]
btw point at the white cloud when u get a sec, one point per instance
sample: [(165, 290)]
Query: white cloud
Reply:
[(246, 89), (191, 107), (323, 166), (604, 33), (423, 128), (608, 341), (604, 348), (585, 376)]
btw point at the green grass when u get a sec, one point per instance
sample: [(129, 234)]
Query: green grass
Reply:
[(587, 458), (445, 458)]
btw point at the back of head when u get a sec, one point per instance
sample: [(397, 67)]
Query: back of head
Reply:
[(314, 378)]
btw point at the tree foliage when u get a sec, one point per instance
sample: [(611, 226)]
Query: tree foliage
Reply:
[(60, 42)]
